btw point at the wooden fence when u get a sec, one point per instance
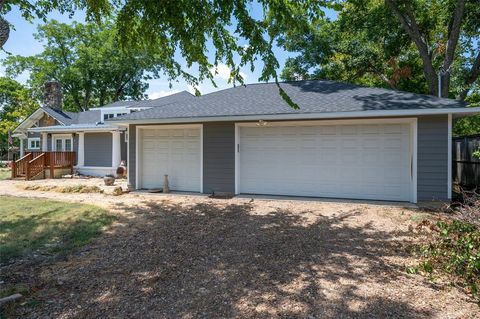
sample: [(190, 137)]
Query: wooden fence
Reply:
[(466, 168)]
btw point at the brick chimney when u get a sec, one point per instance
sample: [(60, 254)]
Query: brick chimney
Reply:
[(53, 95)]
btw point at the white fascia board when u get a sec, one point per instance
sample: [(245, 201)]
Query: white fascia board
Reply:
[(29, 120), (75, 129), (109, 108), (305, 116)]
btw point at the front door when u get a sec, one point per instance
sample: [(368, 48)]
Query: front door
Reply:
[(62, 144)]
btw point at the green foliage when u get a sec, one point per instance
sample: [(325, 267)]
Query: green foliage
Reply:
[(87, 60), (16, 104), (455, 251), (476, 154), (28, 225), (183, 28), (368, 45)]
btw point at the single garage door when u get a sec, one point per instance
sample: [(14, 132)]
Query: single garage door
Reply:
[(172, 151), (342, 161)]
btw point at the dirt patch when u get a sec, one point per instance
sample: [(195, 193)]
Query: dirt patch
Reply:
[(65, 189), (189, 256)]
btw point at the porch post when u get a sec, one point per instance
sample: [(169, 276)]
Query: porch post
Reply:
[(116, 151), (21, 147), (81, 150), (44, 142)]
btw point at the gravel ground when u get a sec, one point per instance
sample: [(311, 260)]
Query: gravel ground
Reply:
[(188, 256)]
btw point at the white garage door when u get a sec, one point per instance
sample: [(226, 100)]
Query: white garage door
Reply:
[(343, 161), (173, 151)]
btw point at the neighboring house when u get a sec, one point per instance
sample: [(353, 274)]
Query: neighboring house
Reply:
[(100, 147), (344, 141)]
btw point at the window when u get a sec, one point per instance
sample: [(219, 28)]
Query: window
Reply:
[(62, 143), (120, 114), (34, 143), (108, 116), (59, 144), (68, 145)]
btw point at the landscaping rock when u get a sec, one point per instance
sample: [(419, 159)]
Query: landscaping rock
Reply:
[(117, 191)]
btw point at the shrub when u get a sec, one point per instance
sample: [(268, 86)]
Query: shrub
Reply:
[(455, 252)]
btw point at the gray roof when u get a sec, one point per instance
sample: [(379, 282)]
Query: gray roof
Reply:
[(165, 100), (93, 116), (71, 118), (312, 96)]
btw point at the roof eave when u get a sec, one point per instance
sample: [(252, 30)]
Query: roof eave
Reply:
[(74, 129), (457, 112)]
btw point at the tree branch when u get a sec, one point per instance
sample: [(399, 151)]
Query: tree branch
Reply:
[(410, 25), (453, 36), (454, 33)]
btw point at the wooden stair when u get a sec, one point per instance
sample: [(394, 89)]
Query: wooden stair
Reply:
[(34, 164)]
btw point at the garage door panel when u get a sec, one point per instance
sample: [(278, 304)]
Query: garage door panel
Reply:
[(350, 161), (173, 151)]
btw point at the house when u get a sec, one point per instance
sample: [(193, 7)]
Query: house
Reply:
[(344, 141), (99, 147)]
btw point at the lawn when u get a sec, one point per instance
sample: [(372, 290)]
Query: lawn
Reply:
[(45, 226), (4, 173)]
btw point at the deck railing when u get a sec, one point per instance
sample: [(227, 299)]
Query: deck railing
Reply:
[(35, 163), (36, 166), (19, 167)]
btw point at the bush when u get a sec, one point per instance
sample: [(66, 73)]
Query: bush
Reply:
[(468, 210), (455, 252)]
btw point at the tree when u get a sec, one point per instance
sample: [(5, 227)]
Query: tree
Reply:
[(87, 60), (237, 35), (40, 9), (398, 44), (16, 104)]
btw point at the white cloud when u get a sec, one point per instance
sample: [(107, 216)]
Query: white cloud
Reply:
[(223, 72), (162, 93)]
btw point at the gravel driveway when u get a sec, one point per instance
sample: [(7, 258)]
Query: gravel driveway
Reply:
[(181, 256)]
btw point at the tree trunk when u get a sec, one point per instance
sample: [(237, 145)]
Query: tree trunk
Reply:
[(410, 26)]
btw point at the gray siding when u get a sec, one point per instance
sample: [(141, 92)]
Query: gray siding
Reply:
[(432, 170), (98, 149), (219, 157), (131, 160)]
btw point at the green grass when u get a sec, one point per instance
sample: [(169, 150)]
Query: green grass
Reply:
[(45, 226), (5, 173)]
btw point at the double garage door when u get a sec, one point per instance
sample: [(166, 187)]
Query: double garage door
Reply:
[(358, 161), (344, 161)]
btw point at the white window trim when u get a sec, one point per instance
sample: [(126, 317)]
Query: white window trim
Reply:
[(180, 126), (31, 139), (61, 136), (414, 138)]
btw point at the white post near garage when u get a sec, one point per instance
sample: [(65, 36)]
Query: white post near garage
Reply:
[(81, 149), (44, 142), (21, 147), (116, 151)]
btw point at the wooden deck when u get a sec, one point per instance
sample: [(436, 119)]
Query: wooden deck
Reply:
[(34, 164)]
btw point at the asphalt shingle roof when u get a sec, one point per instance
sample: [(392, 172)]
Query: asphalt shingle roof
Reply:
[(93, 116), (313, 96)]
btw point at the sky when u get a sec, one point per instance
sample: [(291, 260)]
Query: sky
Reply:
[(22, 42)]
